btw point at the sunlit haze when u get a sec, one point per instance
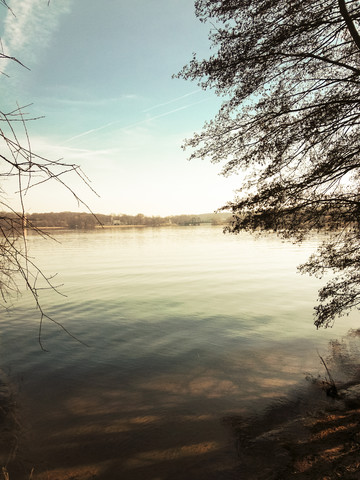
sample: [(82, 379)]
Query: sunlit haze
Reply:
[(101, 73)]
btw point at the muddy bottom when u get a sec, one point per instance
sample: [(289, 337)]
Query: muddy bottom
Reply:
[(307, 437), (111, 435), (86, 432)]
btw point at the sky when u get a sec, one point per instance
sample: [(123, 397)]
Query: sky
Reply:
[(100, 73)]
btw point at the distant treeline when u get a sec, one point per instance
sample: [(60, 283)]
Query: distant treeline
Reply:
[(73, 220)]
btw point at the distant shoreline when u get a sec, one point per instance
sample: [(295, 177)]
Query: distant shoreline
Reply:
[(97, 227), (88, 221)]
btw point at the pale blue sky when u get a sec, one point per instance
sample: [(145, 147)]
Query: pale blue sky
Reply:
[(101, 74)]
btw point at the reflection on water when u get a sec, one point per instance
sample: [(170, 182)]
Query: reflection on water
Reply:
[(185, 326)]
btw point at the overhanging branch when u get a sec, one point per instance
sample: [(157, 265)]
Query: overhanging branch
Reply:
[(349, 23)]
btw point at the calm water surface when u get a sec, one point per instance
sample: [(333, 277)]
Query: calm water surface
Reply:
[(184, 326)]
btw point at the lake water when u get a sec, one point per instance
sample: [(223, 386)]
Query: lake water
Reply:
[(185, 327)]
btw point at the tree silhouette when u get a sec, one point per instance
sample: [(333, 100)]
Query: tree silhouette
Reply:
[(289, 73)]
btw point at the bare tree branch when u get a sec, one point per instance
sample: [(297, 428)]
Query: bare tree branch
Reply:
[(30, 170), (349, 22)]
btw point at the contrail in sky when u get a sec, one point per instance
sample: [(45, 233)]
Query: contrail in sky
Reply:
[(88, 132), (172, 101), (93, 130)]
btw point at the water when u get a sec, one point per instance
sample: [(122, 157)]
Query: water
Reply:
[(184, 327)]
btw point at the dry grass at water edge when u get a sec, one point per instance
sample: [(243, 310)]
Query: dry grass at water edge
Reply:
[(6, 476), (9, 426)]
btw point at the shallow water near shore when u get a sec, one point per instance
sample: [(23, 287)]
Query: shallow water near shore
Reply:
[(185, 327)]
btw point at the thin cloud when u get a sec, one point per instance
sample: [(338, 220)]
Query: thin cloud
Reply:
[(28, 31), (91, 103), (49, 148)]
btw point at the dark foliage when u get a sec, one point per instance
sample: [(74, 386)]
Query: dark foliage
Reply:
[(289, 73)]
